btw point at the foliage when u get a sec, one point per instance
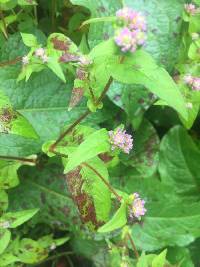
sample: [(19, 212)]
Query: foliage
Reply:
[(99, 136)]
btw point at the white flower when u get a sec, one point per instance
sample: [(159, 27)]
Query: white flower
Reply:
[(25, 60)]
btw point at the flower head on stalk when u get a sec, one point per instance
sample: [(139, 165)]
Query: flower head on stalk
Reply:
[(193, 82), (137, 208), (191, 9), (120, 139), (132, 33), (25, 60)]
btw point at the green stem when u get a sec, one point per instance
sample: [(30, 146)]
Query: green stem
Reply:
[(106, 88), (69, 129), (18, 159), (5, 32), (133, 246), (112, 190)]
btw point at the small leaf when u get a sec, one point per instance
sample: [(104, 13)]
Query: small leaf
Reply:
[(118, 220), (56, 68), (97, 20), (159, 261), (5, 236), (15, 219), (29, 39), (8, 174), (93, 145)]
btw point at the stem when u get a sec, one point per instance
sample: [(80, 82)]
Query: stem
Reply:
[(92, 94), (18, 159), (5, 32), (133, 246), (52, 147), (53, 15), (35, 14), (104, 181), (10, 62), (105, 90)]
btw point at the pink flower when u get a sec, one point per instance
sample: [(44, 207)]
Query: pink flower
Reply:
[(133, 19), (133, 32), (137, 208), (190, 9), (193, 82), (124, 39), (188, 79), (120, 139), (196, 84)]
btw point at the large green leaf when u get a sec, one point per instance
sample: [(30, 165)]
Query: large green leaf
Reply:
[(46, 189), (140, 68), (117, 221), (144, 155), (164, 27), (180, 161)]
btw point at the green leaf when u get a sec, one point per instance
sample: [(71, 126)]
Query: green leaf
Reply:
[(8, 174), (97, 20), (31, 251), (15, 219), (164, 28), (7, 258), (144, 155), (5, 236), (88, 149), (56, 68), (140, 68), (159, 261), (13, 122), (29, 39), (180, 255), (117, 221), (45, 188), (180, 167)]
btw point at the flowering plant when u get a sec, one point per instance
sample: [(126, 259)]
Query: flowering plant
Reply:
[(99, 149)]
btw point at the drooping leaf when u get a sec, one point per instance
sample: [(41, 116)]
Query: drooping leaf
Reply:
[(140, 68), (5, 236), (117, 221)]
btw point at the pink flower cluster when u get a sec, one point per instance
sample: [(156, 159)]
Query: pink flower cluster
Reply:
[(133, 32), (191, 9), (193, 82), (137, 208), (40, 52), (25, 60), (120, 139)]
